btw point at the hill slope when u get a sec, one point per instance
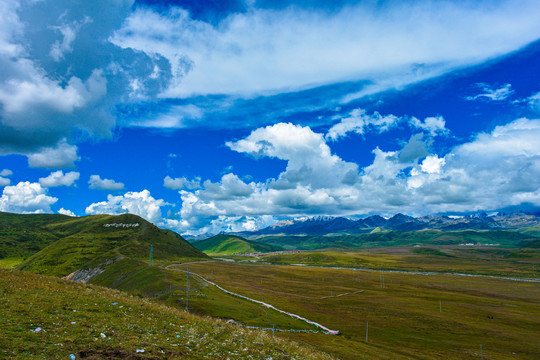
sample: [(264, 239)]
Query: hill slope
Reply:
[(46, 317), (99, 240), (22, 235), (223, 244)]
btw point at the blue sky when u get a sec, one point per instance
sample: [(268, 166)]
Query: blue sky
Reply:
[(205, 116)]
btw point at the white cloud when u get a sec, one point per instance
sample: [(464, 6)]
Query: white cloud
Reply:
[(181, 183), (432, 164), (97, 183), (534, 101), (179, 116), (492, 93), (58, 178), (359, 121), (6, 172), (66, 212), (138, 203), (434, 125), (3, 177), (62, 155), (265, 50), (26, 197), (309, 158)]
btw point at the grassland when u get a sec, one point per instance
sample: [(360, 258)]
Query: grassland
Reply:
[(444, 259), (223, 244), (49, 318), (411, 316)]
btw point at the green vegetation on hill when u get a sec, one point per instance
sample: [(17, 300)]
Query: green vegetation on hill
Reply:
[(22, 235), (505, 238), (91, 241), (223, 244), (46, 317)]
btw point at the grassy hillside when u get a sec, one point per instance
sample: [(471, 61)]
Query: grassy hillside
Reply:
[(223, 244), (93, 240), (46, 317), (23, 235)]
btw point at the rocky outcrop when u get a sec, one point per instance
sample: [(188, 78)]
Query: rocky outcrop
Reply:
[(85, 275)]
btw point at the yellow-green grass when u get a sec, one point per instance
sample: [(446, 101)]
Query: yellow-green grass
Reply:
[(170, 286), (413, 316), (71, 318), (9, 263), (459, 259)]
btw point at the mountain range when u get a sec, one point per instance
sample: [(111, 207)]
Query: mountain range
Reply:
[(325, 225)]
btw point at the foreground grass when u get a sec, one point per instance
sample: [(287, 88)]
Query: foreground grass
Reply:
[(410, 316), (48, 318)]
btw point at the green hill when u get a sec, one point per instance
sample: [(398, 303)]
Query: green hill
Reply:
[(65, 244), (22, 235), (224, 244), (49, 318)]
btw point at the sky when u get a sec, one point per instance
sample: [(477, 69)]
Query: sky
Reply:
[(211, 116)]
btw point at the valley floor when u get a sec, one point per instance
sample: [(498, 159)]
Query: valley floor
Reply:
[(406, 315)]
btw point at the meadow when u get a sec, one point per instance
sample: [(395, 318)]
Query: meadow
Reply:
[(406, 315)]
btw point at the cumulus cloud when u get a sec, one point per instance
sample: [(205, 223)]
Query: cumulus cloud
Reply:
[(492, 93), (432, 164), (66, 212), (181, 183), (138, 203), (58, 178), (263, 50), (505, 162), (97, 183), (359, 121), (26, 197), (3, 177), (62, 155)]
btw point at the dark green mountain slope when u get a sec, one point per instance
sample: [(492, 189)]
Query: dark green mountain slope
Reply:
[(22, 235), (224, 244), (94, 241)]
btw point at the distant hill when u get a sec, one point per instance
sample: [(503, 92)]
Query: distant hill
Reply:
[(326, 225), (60, 245), (223, 244)]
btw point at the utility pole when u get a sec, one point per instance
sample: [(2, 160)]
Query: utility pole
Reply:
[(367, 323)]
